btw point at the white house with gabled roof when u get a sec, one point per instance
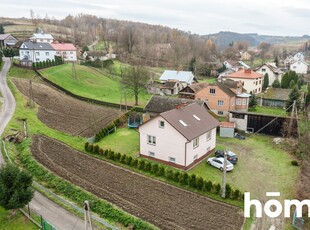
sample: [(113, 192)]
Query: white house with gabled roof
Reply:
[(274, 73), (36, 52), (185, 77), (300, 67), (181, 137), (42, 37)]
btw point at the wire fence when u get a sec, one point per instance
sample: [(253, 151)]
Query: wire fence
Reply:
[(44, 224)]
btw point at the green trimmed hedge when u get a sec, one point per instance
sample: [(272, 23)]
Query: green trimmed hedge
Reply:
[(74, 193), (111, 127), (182, 178)]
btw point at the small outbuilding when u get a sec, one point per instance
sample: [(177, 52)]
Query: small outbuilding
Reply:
[(227, 129)]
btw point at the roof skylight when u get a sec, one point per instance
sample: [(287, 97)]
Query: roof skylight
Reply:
[(183, 123), (197, 118)]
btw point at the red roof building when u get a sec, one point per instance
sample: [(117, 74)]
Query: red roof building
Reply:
[(65, 50)]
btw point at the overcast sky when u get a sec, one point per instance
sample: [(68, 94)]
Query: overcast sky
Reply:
[(270, 17)]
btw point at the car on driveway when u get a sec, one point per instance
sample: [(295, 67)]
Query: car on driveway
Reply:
[(231, 156), (218, 162)]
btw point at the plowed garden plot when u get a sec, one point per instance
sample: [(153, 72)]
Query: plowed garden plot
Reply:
[(163, 205), (66, 114)]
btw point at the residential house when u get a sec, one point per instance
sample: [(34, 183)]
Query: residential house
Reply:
[(95, 55), (66, 51), (42, 37), (252, 81), (221, 97), (300, 67), (160, 104), (274, 97), (184, 77), (171, 87), (181, 137), (299, 57), (274, 73), (235, 65), (7, 40), (245, 56), (36, 52)]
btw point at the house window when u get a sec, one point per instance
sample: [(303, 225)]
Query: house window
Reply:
[(220, 103), (208, 135), (172, 159), (47, 54), (260, 81), (244, 101), (238, 102), (161, 124), (196, 156), (263, 70), (212, 91), (151, 154), (220, 112), (37, 59), (71, 52), (151, 140), (38, 53), (196, 142)]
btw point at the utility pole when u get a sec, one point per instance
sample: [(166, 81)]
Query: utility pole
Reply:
[(291, 120), (224, 176), (87, 216)]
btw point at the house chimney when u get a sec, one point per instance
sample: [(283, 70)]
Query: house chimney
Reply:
[(247, 71)]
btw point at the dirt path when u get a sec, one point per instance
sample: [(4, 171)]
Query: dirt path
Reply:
[(161, 204), (65, 113)]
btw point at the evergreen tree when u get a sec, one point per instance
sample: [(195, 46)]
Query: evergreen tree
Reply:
[(252, 103), (276, 84), (192, 65), (292, 84), (293, 96), (287, 78), (266, 81), (1, 29), (15, 187)]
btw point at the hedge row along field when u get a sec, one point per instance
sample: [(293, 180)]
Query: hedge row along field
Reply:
[(182, 178), (74, 193)]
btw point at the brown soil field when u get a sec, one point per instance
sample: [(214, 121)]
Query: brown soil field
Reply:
[(67, 114), (163, 205)]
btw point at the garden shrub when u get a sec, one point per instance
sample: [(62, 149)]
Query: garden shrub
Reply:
[(154, 169), (160, 171), (148, 166), (128, 160), (101, 151), (207, 186), (141, 164), (134, 163), (111, 155), (294, 163), (217, 188), (117, 156), (236, 194), (199, 183), (175, 176), (96, 149), (228, 190), (192, 180), (86, 146), (169, 174), (90, 148), (181, 178), (123, 159)]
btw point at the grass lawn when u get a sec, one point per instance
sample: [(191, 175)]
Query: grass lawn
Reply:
[(270, 111), (18, 222), (208, 80), (89, 83), (262, 167), (124, 140)]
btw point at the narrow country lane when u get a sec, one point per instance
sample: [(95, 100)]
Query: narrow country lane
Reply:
[(50, 211)]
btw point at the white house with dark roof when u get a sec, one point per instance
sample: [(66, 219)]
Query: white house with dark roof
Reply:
[(36, 52), (185, 77), (274, 73), (300, 67), (181, 137)]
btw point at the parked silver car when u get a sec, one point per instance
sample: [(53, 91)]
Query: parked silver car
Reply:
[(218, 162)]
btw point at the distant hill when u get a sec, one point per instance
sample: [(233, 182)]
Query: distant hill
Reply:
[(223, 38)]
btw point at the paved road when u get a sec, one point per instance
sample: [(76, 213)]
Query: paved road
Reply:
[(50, 211)]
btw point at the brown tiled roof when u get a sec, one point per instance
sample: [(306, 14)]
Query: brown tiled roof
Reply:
[(159, 104), (194, 127), (199, 86), (226, 124), (169, 84), (244, 73), (225, 89)]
